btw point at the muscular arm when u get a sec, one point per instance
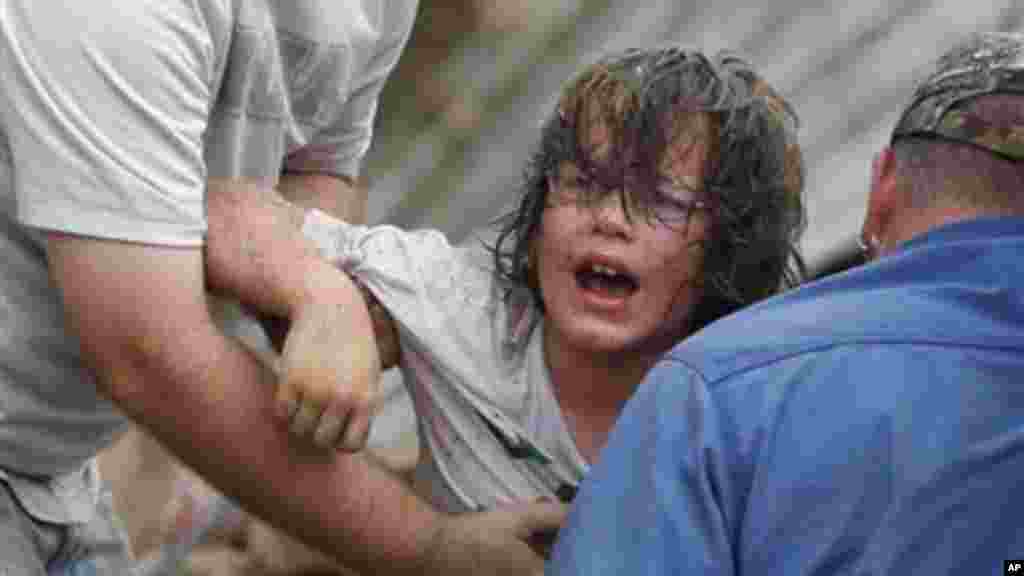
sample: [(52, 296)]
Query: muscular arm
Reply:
[(339, 196), (141, 316)]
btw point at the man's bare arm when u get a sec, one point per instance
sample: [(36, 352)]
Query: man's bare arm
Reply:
[(338, 195), (141, 316), (255, 250)]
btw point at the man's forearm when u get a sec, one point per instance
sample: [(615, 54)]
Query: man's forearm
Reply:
[(255, 251), (211, 401), (339, 196), (339, 503)]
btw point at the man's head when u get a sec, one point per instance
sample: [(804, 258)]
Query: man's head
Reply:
[(957, 151), (627, 124)]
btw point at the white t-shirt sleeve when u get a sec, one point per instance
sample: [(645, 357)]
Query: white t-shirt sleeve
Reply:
[(340, 147), (438, 297), (453, 321), (405, 269), (104, 108)]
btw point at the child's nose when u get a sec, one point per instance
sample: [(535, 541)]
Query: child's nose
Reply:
[(612, 215)]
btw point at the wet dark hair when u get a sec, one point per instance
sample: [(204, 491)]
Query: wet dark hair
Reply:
[(648, 99)]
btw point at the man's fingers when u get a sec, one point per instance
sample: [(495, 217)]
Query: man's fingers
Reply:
[(539, 525), (539, 518), (343, 428), (329, 430), (357, 431), (305, 418)]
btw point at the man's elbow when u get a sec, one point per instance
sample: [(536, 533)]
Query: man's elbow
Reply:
[(139, 372), (120, 371), (141, 323)]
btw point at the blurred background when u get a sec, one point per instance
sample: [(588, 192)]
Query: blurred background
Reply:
[(462, 111)]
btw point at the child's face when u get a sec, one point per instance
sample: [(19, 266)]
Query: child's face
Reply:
[(611, 283)]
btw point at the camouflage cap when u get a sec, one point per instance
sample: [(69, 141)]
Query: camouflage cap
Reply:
[(988, 63)]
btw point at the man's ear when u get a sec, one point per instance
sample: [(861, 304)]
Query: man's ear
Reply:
[(882, 197)]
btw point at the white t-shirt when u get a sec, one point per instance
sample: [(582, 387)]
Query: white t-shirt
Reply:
[(472, 358), (112, 117)]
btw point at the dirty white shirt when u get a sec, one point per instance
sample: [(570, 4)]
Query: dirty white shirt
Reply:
[(472, 358)]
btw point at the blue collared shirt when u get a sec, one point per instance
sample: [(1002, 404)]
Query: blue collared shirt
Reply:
[(868, 423)]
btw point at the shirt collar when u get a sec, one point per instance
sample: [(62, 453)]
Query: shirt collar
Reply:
[(987, 228)]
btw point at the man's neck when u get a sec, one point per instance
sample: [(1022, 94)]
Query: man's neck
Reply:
[(914, 222)]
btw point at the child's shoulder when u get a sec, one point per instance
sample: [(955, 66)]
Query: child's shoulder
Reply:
[(507, 307)]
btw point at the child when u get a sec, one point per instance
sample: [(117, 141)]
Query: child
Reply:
[(664, 194)]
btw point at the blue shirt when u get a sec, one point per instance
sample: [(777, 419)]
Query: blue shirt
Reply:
[(868, 423)]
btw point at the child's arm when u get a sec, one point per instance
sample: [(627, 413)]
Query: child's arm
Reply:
[(384, 330)]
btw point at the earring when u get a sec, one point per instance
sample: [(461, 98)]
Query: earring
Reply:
[(868, 248), (862, 245)]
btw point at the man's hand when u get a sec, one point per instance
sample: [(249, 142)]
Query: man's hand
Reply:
[(329, 367), (497, 541), (329, 375), (384, 331)]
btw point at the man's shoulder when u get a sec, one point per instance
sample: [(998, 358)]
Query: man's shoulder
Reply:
[(873, 306), (798, 323)]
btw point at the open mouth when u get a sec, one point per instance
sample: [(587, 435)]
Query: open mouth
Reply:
[(605, 280)]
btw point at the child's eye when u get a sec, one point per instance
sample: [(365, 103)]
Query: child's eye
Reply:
[(579, 181), (672, 209), (674, 204), (676, 193)]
